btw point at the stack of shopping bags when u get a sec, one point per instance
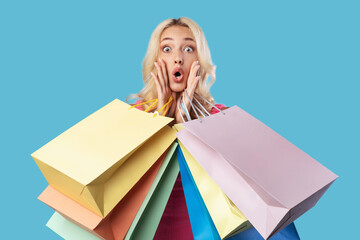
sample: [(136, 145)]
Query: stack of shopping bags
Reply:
[(111, 176)]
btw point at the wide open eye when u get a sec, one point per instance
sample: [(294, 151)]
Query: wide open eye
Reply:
[(166, 49), (189, 49)]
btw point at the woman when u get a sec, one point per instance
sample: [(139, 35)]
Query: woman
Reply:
[(178, 59)]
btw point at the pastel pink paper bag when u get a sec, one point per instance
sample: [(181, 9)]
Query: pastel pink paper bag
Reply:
[(268, 178)]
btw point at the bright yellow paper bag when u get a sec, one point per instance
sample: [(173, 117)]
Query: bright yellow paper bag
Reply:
[(98, 160), (226, 216)]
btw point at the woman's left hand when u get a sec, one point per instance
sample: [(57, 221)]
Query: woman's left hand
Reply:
[(192, 83)]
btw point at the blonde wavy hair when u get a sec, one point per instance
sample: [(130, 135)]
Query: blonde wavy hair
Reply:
[(207, 68)]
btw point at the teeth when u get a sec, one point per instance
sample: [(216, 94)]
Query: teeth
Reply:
[(178, 75)]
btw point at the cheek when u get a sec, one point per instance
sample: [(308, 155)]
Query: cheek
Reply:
[(189, 62), (167, 62), (187, 69)]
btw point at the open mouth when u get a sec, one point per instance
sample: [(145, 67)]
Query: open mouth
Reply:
[(178, 74)]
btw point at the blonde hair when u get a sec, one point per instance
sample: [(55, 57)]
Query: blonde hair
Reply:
[(207, 68)]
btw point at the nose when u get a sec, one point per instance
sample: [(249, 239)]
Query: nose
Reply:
[(179, 58)]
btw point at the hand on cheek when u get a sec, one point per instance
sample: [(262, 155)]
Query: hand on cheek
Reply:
[(162, 83), (192, 83), (164, 91), (193, 78)]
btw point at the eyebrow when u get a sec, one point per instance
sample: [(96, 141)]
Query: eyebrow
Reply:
[(186, 39)]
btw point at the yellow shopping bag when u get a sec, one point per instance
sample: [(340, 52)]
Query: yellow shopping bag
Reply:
[(228, 219), (98, 160)]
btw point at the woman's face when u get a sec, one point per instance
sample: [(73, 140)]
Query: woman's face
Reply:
[(178, 50)]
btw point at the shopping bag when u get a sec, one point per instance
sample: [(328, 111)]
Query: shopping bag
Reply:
[(202, 225), (201, 222), (228, 219), (148, 217), (287, 233), (175, 222), (98, 160), (68, 230), (115, 225), (269, 179)]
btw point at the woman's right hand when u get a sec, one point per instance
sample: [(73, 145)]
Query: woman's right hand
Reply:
[(162, 83)]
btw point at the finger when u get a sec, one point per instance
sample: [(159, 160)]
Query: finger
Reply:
[(157, 83), (164, 71), (193, 70), (160, 76), (196, 69), (194, 83), (194, 65), (192, 87)]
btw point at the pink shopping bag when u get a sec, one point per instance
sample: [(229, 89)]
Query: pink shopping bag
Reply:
[(269, 179)]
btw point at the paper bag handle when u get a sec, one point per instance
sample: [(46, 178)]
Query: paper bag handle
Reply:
[(154, 104)]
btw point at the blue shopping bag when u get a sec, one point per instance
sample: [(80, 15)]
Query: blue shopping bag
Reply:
[(201, 223), (288, 233)]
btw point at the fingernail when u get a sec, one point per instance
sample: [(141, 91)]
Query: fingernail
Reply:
[(155, 64), (197, 62)]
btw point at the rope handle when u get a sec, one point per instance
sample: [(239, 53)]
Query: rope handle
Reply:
[(153, 105)]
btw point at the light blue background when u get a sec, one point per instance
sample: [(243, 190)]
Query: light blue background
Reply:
[(292, 64)]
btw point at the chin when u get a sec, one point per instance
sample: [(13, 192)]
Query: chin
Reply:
[(177, 87)]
